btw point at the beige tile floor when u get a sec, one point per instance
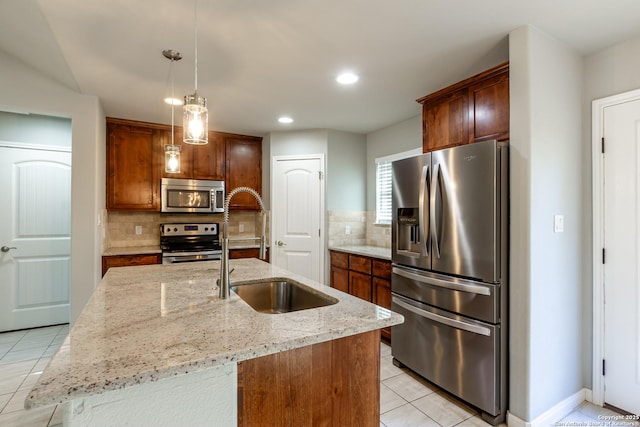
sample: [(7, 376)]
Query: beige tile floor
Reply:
[(405, 399)]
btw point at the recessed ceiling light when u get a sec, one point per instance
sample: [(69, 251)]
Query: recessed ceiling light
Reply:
[(285, 119), (347, 78), (173, 101)]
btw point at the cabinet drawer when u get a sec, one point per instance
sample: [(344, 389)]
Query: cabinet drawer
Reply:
[(382, 269), (129, 260), (360, 263), (339, 259)]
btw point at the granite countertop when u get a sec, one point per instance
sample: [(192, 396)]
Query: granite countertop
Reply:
[(145, 323), (366, 250)]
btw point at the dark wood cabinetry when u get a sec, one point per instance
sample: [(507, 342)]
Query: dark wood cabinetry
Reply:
[(247, 253), (334, 383), (244, 169), (133, 180), (197, 161), (365, 277), (129, 260), (475, 109), (135, 164)]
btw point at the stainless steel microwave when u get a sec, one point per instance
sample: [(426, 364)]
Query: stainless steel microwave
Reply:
[(192, 195)]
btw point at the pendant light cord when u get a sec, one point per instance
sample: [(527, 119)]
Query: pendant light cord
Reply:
[(195, 21)]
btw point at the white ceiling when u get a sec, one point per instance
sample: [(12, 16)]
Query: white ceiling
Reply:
[(259, 59)]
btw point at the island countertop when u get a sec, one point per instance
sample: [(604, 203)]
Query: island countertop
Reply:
[(145, 323)]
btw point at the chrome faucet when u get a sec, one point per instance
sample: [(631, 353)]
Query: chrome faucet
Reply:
[(224, 263)]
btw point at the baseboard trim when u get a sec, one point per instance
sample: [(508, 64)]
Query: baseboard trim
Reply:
[(554, 414)]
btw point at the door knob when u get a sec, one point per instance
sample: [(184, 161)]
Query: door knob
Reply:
[(281, 243), (7, 248)]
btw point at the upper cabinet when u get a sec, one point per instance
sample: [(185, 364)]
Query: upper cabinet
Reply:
[(205, 161), (244, 169), (133, 180), (135, 164), (475, 109)]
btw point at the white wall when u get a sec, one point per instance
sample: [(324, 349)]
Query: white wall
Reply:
[(397, 138), (346, 171), (546, 289), (24, 89)]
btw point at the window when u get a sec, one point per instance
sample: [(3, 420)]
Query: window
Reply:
[(383, 184)]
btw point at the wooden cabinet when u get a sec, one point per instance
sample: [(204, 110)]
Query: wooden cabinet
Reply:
[(135, 164), (197, 161), (334, 383), (243, 169), (246, 253), (133, 178), (365, 277), (129, 260), (475, 109)]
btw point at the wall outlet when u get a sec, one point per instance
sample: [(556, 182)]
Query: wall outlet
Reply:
[(138, 230), (347, 229), (241, 228)]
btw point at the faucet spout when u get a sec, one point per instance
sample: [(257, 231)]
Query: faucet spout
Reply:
[(224, 263)]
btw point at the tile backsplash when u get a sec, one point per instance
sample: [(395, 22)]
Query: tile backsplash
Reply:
[(120, 227), (361, 228)]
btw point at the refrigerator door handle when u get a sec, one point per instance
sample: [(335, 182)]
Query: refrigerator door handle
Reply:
[(480, 330), (423, 212), (464, 287), (437, 173)]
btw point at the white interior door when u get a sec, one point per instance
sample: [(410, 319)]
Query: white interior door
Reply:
[(621, 216), (297, 214), (35, 237)]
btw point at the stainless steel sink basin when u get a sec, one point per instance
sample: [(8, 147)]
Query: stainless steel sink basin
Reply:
[(281, 296)]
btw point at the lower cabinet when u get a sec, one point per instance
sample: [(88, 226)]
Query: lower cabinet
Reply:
[(246, 253), (129, 260), (333, 383), (365, 277)]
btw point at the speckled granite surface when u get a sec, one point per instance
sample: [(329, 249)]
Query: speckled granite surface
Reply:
[(372, 251), (150, 322), (133, 250)]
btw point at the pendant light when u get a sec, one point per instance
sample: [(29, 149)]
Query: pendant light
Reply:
[(195, 115), (172, 152)]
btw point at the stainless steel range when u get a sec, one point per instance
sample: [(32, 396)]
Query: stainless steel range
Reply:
[(190, 242)]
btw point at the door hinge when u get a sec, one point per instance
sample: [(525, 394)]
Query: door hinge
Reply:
[(603, 255), (318, 232), (603, 367), (320, 175), (603, 145)]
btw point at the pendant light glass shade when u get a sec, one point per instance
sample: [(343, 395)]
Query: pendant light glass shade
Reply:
[(172, 159), (172, 152), (195, 120), (195, 123)]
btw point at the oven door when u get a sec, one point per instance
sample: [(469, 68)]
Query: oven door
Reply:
[(454, 352)]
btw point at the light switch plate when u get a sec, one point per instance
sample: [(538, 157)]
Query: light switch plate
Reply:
[(558, 223), (138, 230), (347, 229)]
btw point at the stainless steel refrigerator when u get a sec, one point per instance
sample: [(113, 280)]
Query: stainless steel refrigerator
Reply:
[(450, 271)]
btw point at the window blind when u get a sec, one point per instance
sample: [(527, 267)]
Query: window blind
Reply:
[(383, 192)]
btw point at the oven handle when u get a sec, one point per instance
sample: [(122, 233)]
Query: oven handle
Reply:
[(480, 330), (175, 260), (464, 287)]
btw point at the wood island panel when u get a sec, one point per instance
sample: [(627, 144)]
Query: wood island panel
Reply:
[(334, 383)]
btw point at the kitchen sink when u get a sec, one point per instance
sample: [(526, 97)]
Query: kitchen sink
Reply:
[(281, 296)]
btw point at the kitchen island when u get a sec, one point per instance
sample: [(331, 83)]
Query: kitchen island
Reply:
[(156, 346)]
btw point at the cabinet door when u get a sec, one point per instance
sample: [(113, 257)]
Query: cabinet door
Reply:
[(489, 109), (247, 253), (209, 160), (132, 168), (360, 285), (243, 169), (129, 260), (340, 279), (446, 121), (382, 297)]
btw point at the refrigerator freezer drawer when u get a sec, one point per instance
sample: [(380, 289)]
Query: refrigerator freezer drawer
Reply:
[(465, 297), (458, 354)]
